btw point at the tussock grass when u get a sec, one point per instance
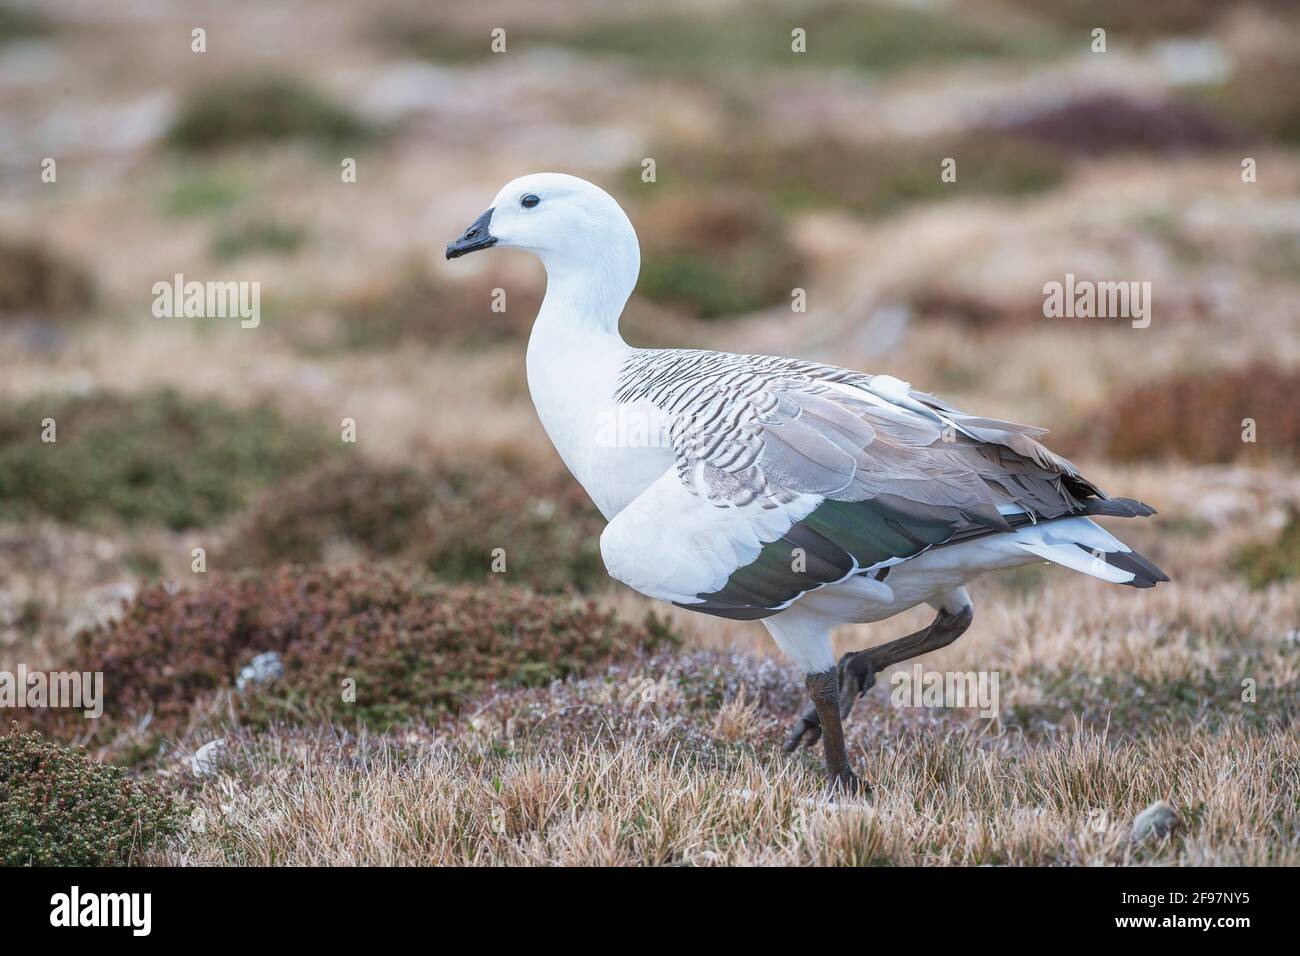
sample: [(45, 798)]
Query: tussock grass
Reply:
[(941, 797), (1108, 703)]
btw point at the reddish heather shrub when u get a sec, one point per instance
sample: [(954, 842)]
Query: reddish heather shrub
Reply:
[(1199, 417), (416, 649), (448, 520), (58, 807), (1108, 123)]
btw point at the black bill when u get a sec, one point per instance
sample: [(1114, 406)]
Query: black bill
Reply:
[(474, 238)]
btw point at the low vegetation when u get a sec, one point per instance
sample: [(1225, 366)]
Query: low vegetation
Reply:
[(21, 23), (870, 180), (154, 457), (256, 235), (451, 520), (412, 305), (1155, 18), (719, 255), (1102, 124), (36, 282), (677, 762), (208, 190), (261, 108), (873, 37), (1274, 560), (58, 807), (375, 646), (1260, 95), (1202, 417)]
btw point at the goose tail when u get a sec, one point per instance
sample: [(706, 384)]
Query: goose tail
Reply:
[(1082, 545)]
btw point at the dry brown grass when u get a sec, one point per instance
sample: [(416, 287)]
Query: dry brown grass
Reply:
[(942, 796)]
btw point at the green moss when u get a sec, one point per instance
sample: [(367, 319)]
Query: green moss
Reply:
[(261, 109), (60, 808), (149, 458)]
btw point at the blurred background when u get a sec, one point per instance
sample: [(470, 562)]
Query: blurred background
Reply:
[(772, 170)]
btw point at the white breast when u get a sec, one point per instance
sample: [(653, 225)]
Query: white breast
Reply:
[(614, 451)]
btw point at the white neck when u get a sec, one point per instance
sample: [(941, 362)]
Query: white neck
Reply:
[(588, 285), (575, 350)]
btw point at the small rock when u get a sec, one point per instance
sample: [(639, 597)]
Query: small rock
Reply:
[(1158, 821), (262, 669), (204, 761)]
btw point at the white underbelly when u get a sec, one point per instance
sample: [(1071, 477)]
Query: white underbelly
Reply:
[(863, 600)]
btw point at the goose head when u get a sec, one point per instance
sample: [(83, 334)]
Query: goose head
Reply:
[(578, 230)]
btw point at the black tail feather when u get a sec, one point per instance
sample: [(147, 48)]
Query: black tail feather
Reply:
[(1145, 574), (1119, 508)]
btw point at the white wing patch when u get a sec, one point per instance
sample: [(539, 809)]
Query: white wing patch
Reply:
[(673, 545)]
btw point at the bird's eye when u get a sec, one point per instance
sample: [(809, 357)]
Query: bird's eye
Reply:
[(529, 201)]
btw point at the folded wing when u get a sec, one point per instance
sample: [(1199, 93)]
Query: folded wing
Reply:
[(792, 475)]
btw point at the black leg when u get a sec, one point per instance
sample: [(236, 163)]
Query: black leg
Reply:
[(824, 689), (857, 669)]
